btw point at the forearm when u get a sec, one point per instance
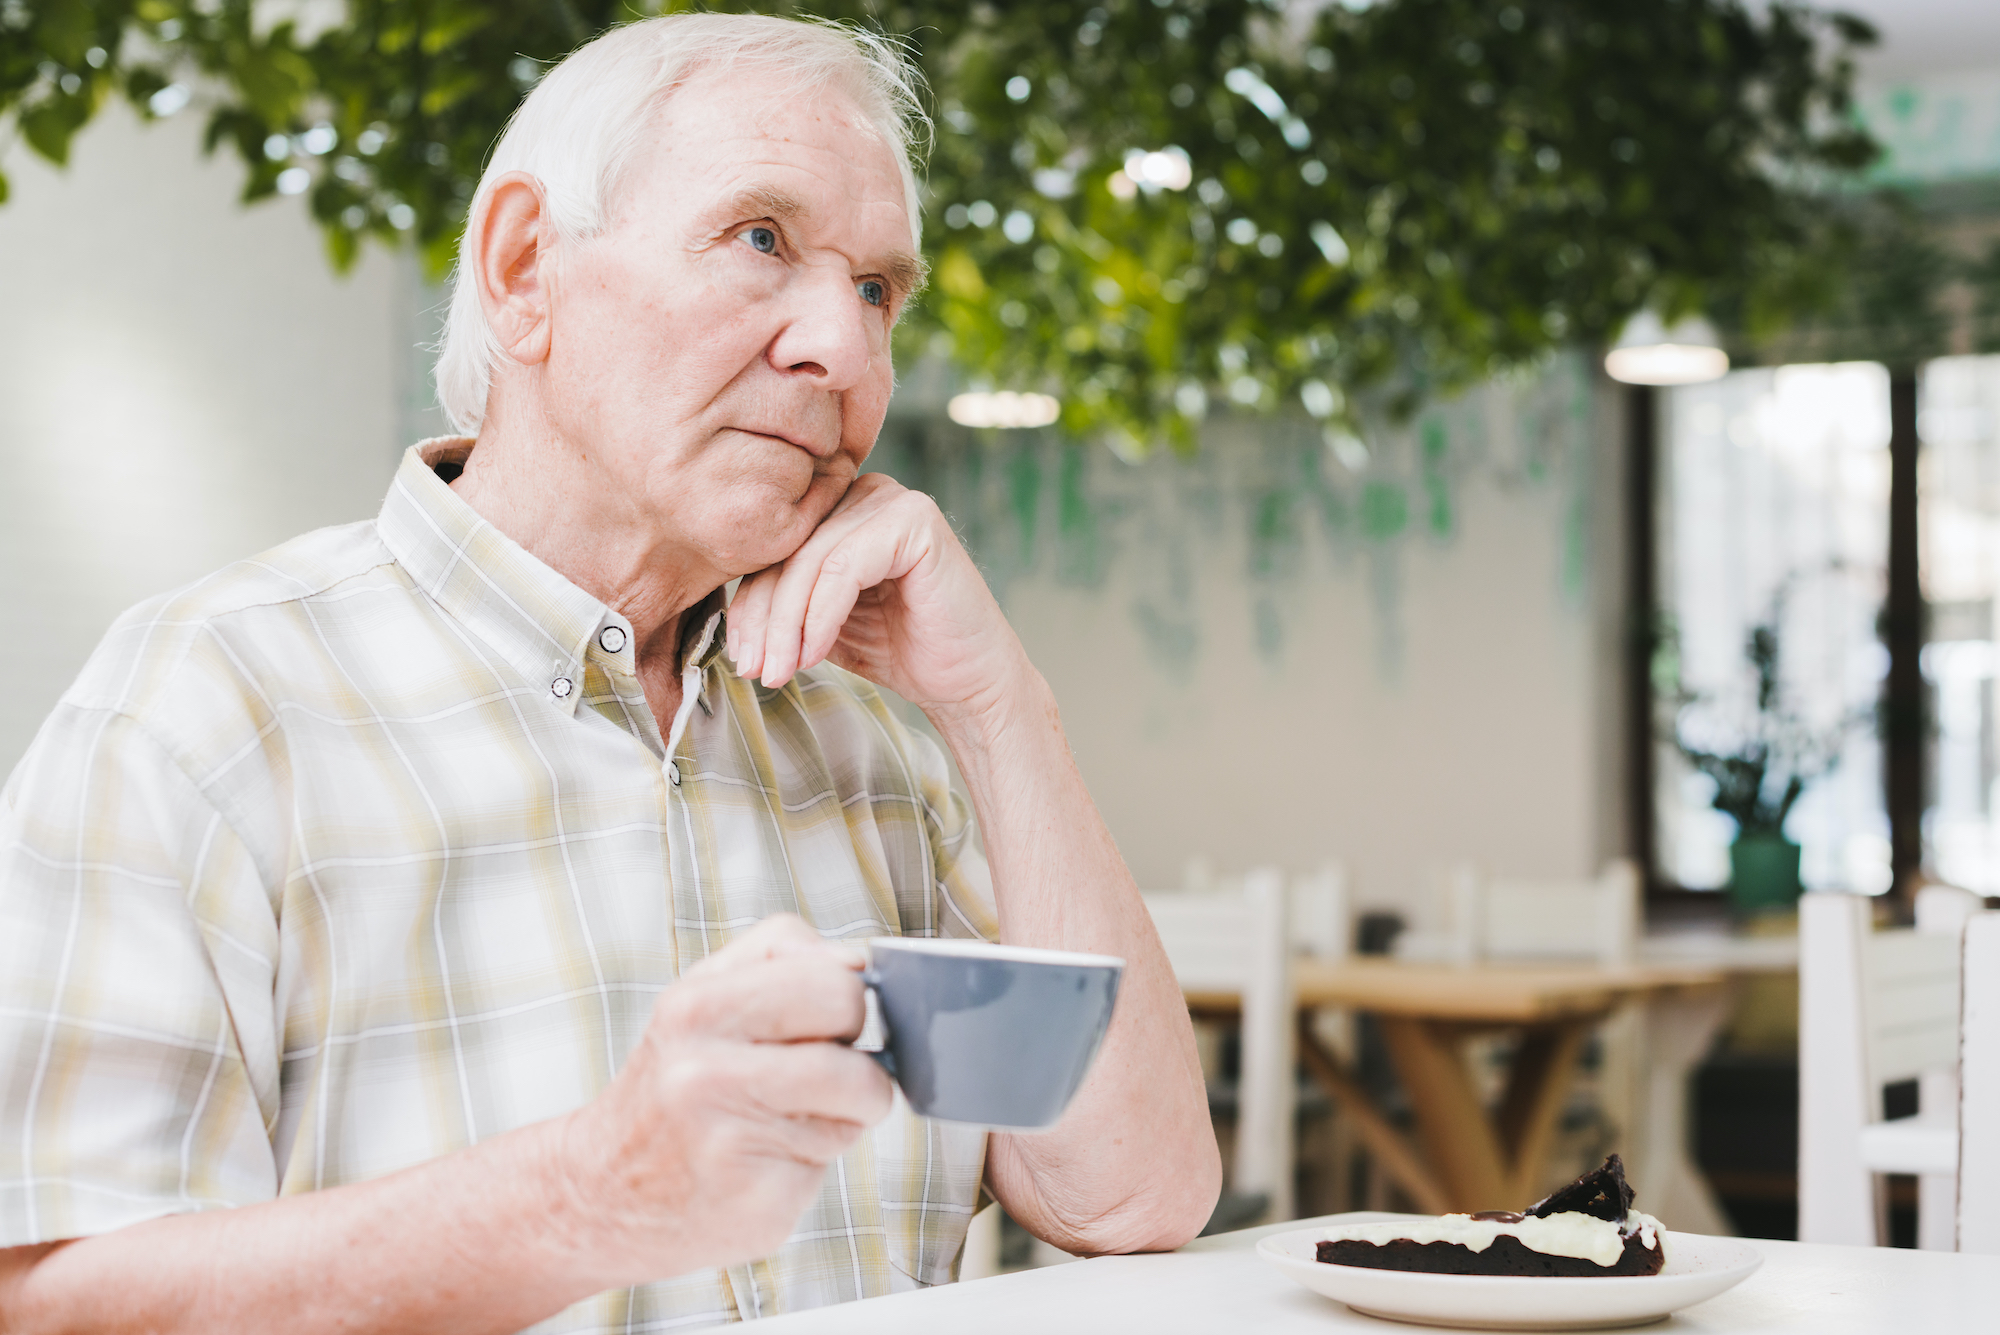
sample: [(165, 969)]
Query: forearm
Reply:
[(1133, 1165), (484, 1240)]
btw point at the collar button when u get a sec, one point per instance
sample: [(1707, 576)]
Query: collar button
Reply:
[(611, 639), (561, 687)]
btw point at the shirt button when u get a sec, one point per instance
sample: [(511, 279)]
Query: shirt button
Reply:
[(560, 688), (674, 773), (611, 639)]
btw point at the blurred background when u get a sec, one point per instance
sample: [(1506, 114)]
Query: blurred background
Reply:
[(1264, 371)]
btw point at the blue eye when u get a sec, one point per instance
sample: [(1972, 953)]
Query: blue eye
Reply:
[(763, 238), (872, 291)]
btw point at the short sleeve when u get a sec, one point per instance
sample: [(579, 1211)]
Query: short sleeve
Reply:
[(138, 1043), (962, 885)]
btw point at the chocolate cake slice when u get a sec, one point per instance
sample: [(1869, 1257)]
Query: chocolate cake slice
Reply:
[(1586, 1229)]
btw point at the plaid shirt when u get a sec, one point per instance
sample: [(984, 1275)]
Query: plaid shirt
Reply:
[(369, 847)]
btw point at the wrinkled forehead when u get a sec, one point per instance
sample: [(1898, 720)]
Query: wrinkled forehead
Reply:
[(723, 125)]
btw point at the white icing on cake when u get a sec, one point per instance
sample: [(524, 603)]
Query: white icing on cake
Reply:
[(1569, 1233)]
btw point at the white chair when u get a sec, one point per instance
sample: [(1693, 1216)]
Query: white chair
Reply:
[(1876, 1008), (1520, 918), (1238, 941), (1979, 1089), (1941, 910), (1321, 915)]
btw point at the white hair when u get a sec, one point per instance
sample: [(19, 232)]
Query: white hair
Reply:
[(585, 121)]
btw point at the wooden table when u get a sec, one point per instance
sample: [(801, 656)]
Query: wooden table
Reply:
[(1465, 1157), (1220, 1284)]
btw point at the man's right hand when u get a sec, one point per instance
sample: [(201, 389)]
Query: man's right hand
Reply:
[(703, 1152), (716, 1135)]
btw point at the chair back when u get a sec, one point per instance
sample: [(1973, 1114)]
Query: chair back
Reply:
[(1909, 1004), (1322, 914), (1239, 941), (1217, 940), (1874, 1008), (1979, 1089), (1510, 918)]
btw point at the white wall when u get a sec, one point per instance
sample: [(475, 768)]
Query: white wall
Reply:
[(183, 382), (1397, 701), (1481, 746)]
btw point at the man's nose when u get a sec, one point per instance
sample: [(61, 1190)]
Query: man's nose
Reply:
[(833, 336)]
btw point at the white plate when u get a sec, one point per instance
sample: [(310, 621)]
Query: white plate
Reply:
[(1698, 1267)]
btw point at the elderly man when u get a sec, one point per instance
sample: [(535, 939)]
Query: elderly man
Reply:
[(425, 889)]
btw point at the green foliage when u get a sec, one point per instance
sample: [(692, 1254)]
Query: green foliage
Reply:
[(1383, 201), (388, 116), (1984, 280), (1889, 305), (1410, 197)]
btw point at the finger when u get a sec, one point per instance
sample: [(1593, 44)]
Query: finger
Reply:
[(749, 612), (829, 1081), (806, 1141), (788, 999), (784, 613), (779, 934), (772, 936), (820, 1140), (869, 557), (869, 489), (784, 619), (775, 936), (871, 545)]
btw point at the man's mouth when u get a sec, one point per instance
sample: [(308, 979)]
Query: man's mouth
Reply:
[(786, 438)]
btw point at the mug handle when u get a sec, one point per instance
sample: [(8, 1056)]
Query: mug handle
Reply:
[(883, 1057)]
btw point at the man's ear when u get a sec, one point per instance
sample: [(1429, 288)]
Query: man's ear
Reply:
[(510, 257)]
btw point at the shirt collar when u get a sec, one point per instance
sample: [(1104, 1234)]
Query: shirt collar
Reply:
[(544, 626)]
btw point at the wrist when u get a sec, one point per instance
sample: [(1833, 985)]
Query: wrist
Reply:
[(1016, 704), (572, 1185)]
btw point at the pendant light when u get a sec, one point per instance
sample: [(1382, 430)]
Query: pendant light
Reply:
[(1648, 353)]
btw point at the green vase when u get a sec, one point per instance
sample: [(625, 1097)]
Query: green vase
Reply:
[(1763, 874)]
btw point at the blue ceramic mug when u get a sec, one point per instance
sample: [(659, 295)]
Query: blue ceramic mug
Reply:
[(998, 1036)]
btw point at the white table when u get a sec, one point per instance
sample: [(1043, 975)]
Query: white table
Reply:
[(1219, 1285)]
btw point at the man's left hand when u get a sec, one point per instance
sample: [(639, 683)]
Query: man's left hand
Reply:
[(883, 588)]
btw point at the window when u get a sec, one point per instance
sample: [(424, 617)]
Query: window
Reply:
[(1959, 536), (1775, 490), (1774, 496)]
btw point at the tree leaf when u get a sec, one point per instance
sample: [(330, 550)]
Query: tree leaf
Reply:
[(1505, 180), (49, 126)]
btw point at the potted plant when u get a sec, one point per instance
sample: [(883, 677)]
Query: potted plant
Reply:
[(1762, 755)]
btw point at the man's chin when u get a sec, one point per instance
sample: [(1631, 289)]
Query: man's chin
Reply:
[(761, 517), (756, 541)]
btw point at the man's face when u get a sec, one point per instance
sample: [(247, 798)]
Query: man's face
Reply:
[(720, 354)]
